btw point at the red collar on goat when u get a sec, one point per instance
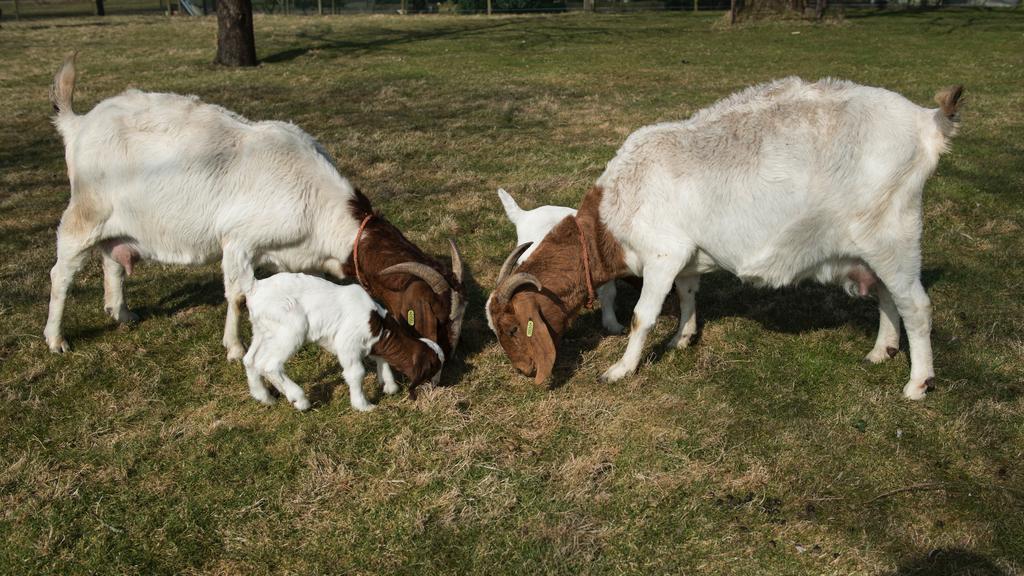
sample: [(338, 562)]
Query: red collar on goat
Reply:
[(355, 249), (586, 265)]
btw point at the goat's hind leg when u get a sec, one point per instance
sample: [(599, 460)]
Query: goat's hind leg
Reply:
[(75, 236), (113, 290), (658, 279), (903, 281), (251, 359), (887, 343)]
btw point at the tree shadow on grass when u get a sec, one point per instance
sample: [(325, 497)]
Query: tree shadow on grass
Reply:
[(948, 562), (382, 38)]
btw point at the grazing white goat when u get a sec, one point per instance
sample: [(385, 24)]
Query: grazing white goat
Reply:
[(531, 227), (288, 310), (779, 183), (168, 178)]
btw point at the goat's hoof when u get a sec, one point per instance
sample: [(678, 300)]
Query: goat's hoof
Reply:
[(614, 374), (365, 407), (58, 345), (879, 355), (916, 390), (122, 315), (301, 404), (391, 388), (266, 399), (681, 343), (235, 353), (614, 329)]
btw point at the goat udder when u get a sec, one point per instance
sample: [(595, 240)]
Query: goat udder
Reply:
[(864, 278), (125, 255)]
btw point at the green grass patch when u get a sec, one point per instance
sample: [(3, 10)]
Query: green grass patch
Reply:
[(766, 449)]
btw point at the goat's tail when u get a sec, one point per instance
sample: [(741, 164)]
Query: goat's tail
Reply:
[(511, 208), (947, 117), (62, 94)]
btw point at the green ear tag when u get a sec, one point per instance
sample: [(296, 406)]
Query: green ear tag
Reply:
[(529, 329), (411, 317)]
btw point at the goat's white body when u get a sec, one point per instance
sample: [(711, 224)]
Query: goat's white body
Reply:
[(779, 183), (288, 310), (179, 181), (533, 226)]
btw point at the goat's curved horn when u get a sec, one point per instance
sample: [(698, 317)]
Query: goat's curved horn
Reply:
[(456, 262), (510, 262), (432, 277), (458, 305), (505, 291)]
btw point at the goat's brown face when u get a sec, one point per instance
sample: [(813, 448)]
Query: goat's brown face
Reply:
[(427, 313), (524, 329), (425, 365), (427, 302)]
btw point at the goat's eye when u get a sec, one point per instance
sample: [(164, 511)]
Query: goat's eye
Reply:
[(513, 331)]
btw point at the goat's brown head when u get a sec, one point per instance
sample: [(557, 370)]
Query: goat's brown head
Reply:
[(420, 359), (425, 300), (527, 319), (415, 288)]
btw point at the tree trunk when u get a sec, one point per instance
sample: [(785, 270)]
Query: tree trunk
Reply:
[(732, 12), (236, 43), (588, 5), (99, 8), (822, 5)]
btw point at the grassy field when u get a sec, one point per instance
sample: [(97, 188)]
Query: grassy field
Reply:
[(767, 449)]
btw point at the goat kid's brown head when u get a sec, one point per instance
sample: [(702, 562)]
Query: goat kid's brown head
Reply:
[(419, 359), (526, 320), (433, 308)]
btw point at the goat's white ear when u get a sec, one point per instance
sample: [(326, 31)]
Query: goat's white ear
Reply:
[(512, 209)]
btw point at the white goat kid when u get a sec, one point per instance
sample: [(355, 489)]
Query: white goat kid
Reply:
[(533, 226), (288, 310)]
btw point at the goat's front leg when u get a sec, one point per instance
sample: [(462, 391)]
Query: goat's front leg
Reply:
[(606, 293), (385, 375), (686, 289), (238, 274), (887, 344), (353, 372), (658, 278), (113, 291)]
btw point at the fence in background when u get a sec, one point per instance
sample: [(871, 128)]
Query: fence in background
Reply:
[(55, 8)]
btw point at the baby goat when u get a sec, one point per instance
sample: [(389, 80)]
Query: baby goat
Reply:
[(531, 227), (287, 310)]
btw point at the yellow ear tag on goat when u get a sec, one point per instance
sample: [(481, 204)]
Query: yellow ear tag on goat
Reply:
[(411, 317), (529, 329)]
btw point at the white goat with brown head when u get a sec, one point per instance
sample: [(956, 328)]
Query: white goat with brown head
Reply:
[(168, 178), (778, 183)]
